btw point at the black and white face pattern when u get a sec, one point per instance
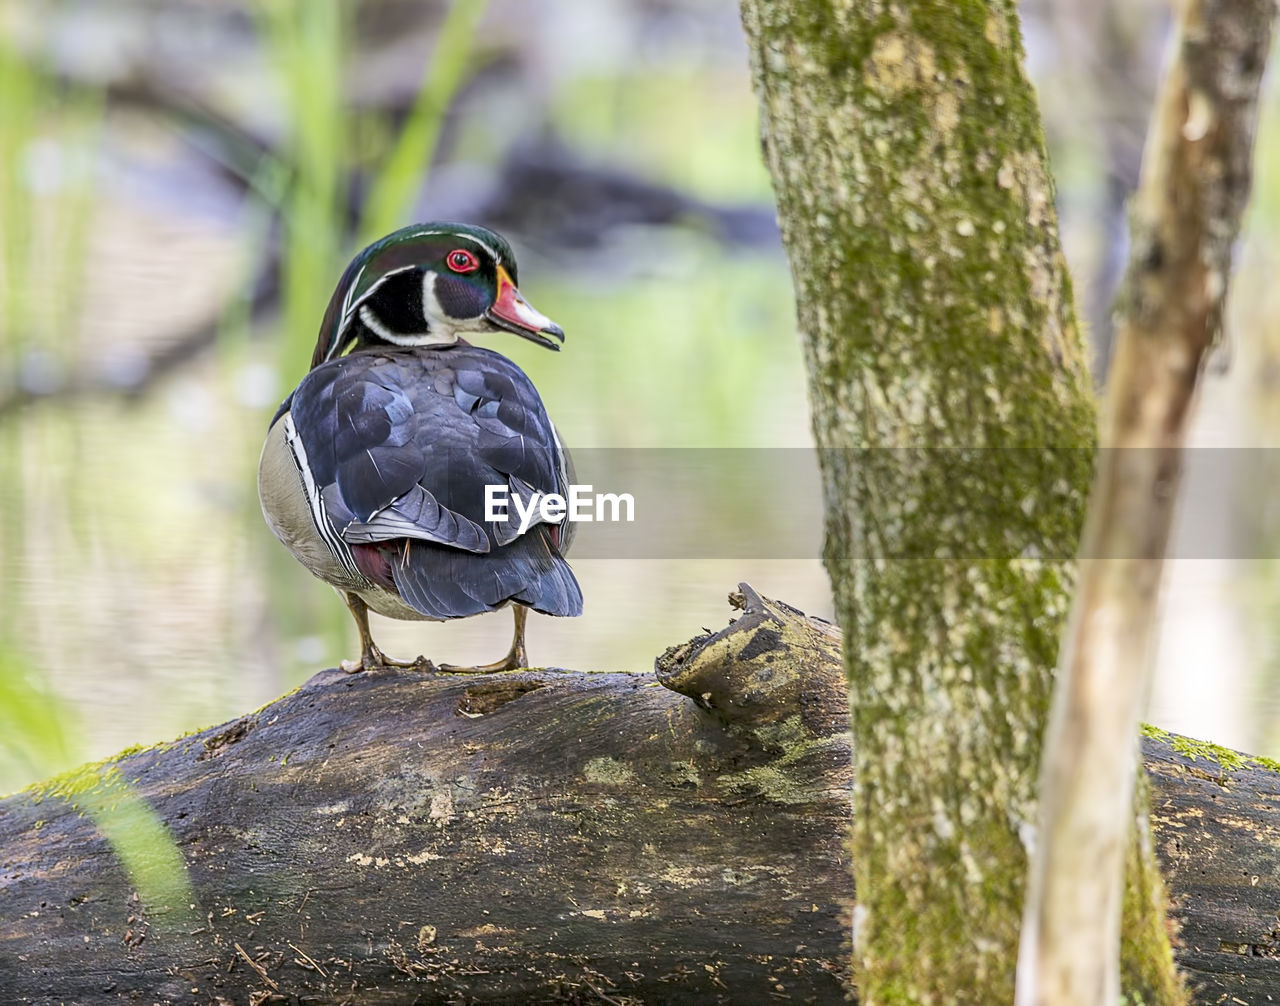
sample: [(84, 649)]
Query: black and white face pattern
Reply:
[(424, 286), (432, 301)]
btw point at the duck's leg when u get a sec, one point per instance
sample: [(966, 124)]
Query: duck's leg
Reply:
[(370, 655), (516, 656)]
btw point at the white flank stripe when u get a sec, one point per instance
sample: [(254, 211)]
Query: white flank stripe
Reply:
[(318, 515), (562, 459)]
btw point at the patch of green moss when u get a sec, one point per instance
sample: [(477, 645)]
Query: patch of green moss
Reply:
[(75, 784), (780, 780), (783, 734), (84, 778), (1194, 749)]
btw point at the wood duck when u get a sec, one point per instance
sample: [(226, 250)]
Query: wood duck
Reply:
[(375, 467)]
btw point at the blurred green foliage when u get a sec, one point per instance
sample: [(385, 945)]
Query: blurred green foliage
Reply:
[(404, 171), (306, 38), (46, 208), (143, 596)]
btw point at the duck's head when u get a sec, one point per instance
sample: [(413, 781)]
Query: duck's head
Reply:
[(425, 285)]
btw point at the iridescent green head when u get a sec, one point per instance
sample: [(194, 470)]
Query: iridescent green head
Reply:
[(425, 285)]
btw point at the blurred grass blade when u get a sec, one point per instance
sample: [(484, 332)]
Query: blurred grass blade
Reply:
[(307, 40), (37, 734), (135, 831), (36, 730), (406, 169)]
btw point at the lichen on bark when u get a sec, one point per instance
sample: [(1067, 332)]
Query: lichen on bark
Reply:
[(954, 415)]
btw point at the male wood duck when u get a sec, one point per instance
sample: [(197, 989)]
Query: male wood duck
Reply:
[(375, 467)]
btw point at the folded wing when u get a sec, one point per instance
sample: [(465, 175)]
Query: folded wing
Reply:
[(401, 447)]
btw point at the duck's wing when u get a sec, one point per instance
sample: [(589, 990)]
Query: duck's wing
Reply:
[(399, 450), (364, 459)]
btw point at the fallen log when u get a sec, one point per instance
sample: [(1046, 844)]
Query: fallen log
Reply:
[(522, 837), (543, 836)]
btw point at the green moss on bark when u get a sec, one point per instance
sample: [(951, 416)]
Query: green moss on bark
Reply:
[(1147, 971), (1198, 750), (953, 408)]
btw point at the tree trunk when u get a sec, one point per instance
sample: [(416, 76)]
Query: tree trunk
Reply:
[(543, 836), (955, 420)]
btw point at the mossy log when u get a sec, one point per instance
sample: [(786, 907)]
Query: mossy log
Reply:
[(396, 837), (544, 836)]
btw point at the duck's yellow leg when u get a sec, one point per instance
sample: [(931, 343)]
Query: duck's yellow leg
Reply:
[(516, 657), (370, 655)]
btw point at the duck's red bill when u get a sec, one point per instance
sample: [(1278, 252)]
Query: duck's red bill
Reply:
[(511, 311)]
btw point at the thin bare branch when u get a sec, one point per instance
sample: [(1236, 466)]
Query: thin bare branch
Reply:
[(1191, 195)]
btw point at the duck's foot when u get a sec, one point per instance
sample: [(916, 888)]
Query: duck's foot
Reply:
[(370, 655), (376, 658), (509, 664), (515, 660)]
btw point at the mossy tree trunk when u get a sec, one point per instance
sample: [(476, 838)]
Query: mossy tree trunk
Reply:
[(953, 411)]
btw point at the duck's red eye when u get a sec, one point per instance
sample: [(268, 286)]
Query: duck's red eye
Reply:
[(462, 260)]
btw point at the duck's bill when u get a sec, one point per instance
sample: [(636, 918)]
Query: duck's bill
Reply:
[(511, 311)]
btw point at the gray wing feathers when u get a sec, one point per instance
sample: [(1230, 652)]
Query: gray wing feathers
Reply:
[(505, 532), (401, 447), (418, 514)]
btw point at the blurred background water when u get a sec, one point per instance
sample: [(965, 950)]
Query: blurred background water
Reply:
[(182, 181)]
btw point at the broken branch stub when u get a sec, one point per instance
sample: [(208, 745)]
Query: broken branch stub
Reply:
[(771, 663)]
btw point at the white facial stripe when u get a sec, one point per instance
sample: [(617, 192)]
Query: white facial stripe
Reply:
[(349, 309), (562, 456), (349, 306), (492, 254), (445, 329), (440, 322), (346, 301), (431, 309), (464, 237), (443, 338)]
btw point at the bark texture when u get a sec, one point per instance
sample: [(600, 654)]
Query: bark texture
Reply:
[(1215, 823), (544, 836), (539, 836), (936, 312), (1192, 193)]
